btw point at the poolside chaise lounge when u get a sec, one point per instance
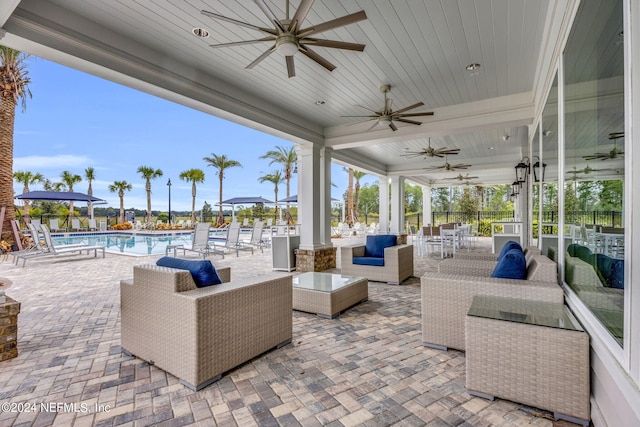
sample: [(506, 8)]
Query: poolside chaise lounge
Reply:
[(200, 242), (50, 249), (197, 334)]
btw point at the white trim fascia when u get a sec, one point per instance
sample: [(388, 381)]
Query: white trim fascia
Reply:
[(364, 164), (556, 33), (6, 10)]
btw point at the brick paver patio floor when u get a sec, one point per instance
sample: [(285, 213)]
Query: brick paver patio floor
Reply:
[(366, 367)]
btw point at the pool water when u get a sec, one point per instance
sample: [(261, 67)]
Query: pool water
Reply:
[(132, 244)]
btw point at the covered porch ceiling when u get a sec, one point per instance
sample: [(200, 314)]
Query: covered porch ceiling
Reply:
[(419, 48)]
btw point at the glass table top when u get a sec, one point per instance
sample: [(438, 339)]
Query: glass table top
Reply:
[(553, 315), (323, 282)]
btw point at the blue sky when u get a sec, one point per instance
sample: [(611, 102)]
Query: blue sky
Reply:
[(75, 120)]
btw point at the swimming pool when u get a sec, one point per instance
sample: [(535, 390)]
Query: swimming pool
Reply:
[(133, 244)]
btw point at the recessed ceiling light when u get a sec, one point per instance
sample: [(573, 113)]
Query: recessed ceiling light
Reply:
[(492, 148), (319, 102), (200, 32), (505, 138), (473, 67)]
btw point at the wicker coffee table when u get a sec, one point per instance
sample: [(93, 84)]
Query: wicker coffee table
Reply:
[(327, 295), (530, 352)]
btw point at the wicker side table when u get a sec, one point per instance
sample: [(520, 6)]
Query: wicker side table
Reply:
[(530, 352)]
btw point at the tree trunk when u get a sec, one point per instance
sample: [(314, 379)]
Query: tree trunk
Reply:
[(220, 216), (193, 201), (148, 188), (7, 119), (90, 205), (350, 218), (356, 200), (121, 194)]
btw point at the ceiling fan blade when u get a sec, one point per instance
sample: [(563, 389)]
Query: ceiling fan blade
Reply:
[(410, 107), (291, 68), (372, 126), (448, 150), (359, 122), (460, 166), (334, 44), (265, 39), (265, 9), (426, 113), (301, 14), (261, 57), (368, 109), (334, 23), (235, 21), (413, 122), (320, 60), (392, 126)]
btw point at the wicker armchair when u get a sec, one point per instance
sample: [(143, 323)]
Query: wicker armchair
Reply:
[(197, 334), (446, 299), (542, 270), (398, 264)]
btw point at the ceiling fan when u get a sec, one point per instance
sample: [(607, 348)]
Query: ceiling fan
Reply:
[(449, 167), (386, 116), (613, 154), (288, 36), (461, 177), (587, 170), (432, 152)]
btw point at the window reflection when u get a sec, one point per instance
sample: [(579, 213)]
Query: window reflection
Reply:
[(594, 162)]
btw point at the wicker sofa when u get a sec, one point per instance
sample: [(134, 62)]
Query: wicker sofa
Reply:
[(197, 334), (398, 263), (446, 299), (484, 267)]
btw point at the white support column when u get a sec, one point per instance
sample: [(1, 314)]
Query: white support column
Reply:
[(309, 191), (325, 197), (397, 205), (426, 204), (383, 205)]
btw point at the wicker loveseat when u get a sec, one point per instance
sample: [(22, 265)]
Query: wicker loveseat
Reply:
[(393, 267), (446, 299), (197, 334)]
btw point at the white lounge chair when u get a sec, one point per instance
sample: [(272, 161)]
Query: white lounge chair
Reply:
[(53, 225), (75, 225), (232, 242), (256, 239), (50, 249), (200, 242), (92, 225)]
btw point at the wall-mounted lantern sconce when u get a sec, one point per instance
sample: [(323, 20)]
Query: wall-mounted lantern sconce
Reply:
[(515, 188), (522, 170), (538, 171)]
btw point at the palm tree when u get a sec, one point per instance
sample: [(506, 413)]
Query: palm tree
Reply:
[(350, 216), (27, 178), (275, 178), (14, 82), (221, 163), (120, 187), (89, 173), (356, 202), (287, 157), (193, 175), (149, 173), (69, 179)]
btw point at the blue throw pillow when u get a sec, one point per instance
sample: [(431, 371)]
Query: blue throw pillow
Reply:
[(513, 265), (611, 270), (374, 246), (507, 247), (202, 271)]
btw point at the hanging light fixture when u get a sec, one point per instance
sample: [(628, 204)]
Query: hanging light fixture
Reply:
[(522, 170), (538, 171)]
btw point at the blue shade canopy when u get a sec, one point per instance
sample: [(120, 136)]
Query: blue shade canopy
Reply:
[(58, 196), (245, 200)]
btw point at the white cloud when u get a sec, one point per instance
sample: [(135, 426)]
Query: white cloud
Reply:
[(60, 161)]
